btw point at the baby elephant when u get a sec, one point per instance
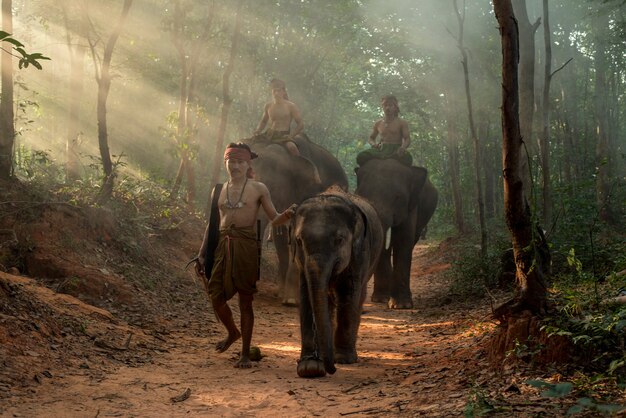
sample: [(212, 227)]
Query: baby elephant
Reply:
[(336, 238)]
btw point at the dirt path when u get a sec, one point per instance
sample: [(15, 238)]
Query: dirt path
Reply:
[(412, 362)]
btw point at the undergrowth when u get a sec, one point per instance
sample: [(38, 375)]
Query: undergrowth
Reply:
[(140, 207), (136, 197), (584, 288)]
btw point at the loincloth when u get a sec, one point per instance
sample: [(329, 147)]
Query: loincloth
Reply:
[(236, 265), (278, 137), (385, 151)]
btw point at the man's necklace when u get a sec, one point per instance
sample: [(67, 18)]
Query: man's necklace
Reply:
[(239, 203)]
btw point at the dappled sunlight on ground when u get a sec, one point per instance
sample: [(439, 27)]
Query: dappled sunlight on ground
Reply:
[(425, 361), (282, 347)]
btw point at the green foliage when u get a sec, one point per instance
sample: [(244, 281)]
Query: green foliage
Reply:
[(474, 275), (480, 404), (588, 404), (597, 329), (182, 141), (581, 244), (584, 404), (552, 390), (135, 196), (35, 164), (527, 351), (25, 58), (573, 262)]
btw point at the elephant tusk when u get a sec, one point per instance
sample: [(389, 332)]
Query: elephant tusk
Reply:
[(387, 238)]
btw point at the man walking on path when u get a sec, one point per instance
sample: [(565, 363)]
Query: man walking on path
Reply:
[(235, 259)]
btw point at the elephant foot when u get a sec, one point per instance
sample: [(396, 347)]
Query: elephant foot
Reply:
[(348, 357), (292, 302), (378, 298), (394, 303), (311, 367)]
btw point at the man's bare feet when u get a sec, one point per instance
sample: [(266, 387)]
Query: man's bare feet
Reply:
[(243, 363), (223, 345)]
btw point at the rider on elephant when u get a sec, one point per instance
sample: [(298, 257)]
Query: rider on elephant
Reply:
[(280, 112), (394, 136)]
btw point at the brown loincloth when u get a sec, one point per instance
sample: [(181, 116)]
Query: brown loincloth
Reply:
[(235, 268)]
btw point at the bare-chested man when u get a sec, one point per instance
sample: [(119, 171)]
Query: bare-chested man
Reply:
[(394, 135), (280, 113), (235, 266)]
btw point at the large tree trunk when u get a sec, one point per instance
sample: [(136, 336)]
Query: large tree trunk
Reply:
[(526, 69), (226, 99), (7, 128), (530, 277), (104, 86), (475, 140)]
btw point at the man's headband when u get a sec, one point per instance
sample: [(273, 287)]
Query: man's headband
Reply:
[(238, 153)]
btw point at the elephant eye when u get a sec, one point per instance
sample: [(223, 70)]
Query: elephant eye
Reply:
[(339, 240)]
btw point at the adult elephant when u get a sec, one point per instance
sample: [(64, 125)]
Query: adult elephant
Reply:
[(292, 179), (336, 238), (405, 200)]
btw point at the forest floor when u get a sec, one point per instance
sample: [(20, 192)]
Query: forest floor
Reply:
[(113, 326)]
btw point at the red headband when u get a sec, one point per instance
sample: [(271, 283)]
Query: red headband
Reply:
[(238, 153), (241, 154)]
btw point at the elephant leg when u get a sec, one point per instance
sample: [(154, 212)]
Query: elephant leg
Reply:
[(382, 278), (349, 306), (292, 281), (310, 364), (288, 285), (401, 297)]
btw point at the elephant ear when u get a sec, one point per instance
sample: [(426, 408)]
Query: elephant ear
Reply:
[(303, 172), (360, 231), (291, 240), (417, 178)]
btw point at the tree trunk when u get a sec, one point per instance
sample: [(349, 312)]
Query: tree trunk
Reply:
[(544, 141), (526, 87), (183, 102), (602, 119), (188, 67), (568, 144), (530, 277), (489, 167), (104, 86), (192, 98), (454, 170), (77, 50), (475, 140), (226, 99), (7, 128)]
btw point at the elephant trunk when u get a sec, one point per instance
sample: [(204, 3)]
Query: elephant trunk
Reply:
[(318, 271), (386, 218)]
